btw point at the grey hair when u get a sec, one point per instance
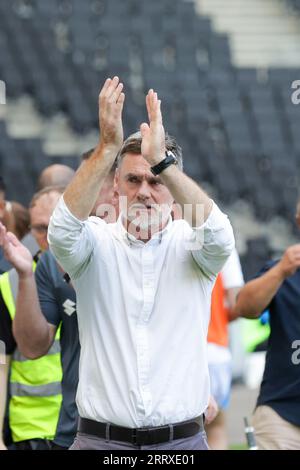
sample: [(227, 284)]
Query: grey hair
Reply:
[(133, 145)]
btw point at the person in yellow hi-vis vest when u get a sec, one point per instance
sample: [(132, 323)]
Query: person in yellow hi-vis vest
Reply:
[(34, 385)]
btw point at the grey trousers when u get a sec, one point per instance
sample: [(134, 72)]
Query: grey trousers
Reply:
[(88, 442)]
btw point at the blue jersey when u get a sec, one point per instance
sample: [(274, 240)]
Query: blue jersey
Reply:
[(280, 387), (58, 304)]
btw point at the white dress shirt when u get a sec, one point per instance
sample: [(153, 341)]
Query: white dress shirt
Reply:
[(143, 312)]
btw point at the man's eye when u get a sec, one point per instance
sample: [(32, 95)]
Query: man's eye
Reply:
[(132, 179)]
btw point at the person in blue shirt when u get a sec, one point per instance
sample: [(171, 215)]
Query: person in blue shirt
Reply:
[(277, 288)]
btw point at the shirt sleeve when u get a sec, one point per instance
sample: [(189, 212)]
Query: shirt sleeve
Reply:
[(71, 240), (6, 334), (46, 294), (232, 274), (212, 242)]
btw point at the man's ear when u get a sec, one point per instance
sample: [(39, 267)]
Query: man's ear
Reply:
[(115, 200), (2, 208), (116, 180)]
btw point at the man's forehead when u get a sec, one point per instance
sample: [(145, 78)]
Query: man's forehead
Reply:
[(136, 165), (137, 161)]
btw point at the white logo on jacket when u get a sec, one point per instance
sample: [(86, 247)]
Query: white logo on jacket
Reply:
[(69, 307)]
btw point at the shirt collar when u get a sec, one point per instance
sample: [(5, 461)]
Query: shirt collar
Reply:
[(132, 240)]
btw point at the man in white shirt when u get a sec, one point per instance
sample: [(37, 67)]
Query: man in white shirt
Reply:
[(143, 287)]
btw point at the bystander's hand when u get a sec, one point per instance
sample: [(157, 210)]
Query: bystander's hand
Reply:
[(15, 252), (290, 261)]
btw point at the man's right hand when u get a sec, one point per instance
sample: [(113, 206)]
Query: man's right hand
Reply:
[(111, 100), (290, 261), (15, 252), (211, 411)]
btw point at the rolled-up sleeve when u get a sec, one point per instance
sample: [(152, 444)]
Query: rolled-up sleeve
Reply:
[(71, 240), (213, 242)]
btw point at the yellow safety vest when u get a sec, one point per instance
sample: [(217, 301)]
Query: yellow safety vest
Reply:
[(35, 385)]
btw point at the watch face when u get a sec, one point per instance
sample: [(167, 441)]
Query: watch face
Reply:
[(169, 153)]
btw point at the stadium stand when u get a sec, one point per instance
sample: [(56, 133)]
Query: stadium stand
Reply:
[(295, 4), (238, 132)]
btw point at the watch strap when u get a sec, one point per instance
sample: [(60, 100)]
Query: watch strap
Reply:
[(169, 159)]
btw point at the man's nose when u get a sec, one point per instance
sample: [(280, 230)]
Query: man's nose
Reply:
[(144, 191)]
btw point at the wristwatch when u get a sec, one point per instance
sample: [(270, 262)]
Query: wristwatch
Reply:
[(169, 159)]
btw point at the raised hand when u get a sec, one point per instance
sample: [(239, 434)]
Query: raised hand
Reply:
[(15, 252), (153, 134), (111, 100), (290, 261)]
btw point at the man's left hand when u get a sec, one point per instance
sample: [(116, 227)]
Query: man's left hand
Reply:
[(153, 134)]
